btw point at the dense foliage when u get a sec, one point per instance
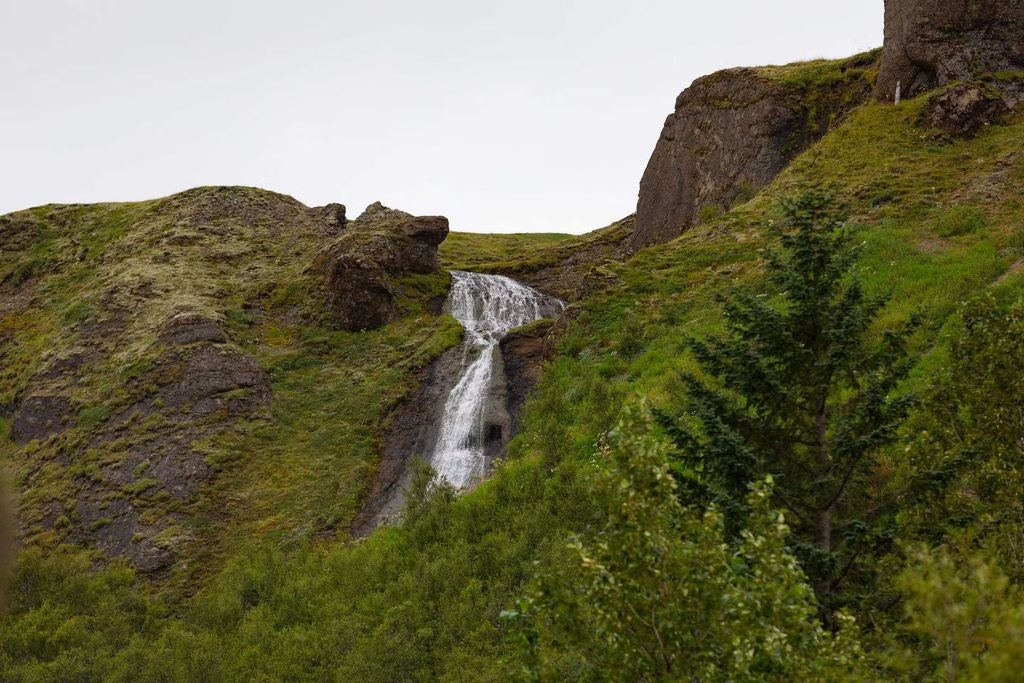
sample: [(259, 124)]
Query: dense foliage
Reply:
[(799, 394), (663, 594)]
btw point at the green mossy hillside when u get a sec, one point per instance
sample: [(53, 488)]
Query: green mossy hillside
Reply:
[(87, 296), (940, 223)]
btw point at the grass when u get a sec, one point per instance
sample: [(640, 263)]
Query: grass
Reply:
[(929, 241), (473, 251)]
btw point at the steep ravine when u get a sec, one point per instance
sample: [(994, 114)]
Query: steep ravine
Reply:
[(461, 418)]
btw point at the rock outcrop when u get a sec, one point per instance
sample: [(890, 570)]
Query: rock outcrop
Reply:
[(410, 437), (965, 108), (524, 352), (930, 43), (41, 416), (732, 132), (188, 327), (358, 269)]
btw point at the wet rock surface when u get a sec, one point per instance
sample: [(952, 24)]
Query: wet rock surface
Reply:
[(409, 438), (523, 353), (930, 43)]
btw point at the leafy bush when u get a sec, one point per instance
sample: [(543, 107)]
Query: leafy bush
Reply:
[(661, 593)]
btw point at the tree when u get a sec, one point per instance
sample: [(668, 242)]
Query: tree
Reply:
[(964, 620), (963, 469), (796, 389), (660, 594)]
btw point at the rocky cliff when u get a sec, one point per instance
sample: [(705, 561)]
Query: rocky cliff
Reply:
[(732, 132), (930, 43), (356, 272), (159, 365)]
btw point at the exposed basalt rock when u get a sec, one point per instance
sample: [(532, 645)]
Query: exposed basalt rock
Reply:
[(357, 269), (206, 374), (524, 352), (430, 230), (359, 292), (332, 216), (731, 133), (965, 108), (929, 43), (410, 436), (200, 391), (131, 394), (189, 328), (41, 416)]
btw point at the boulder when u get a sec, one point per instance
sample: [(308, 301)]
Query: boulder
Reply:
[(209, 376), (331, 216), (429, 230), (930, 43), (964, 109), (359, 292), (357, 270)]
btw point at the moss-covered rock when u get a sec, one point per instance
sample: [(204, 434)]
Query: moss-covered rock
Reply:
[(732, 132), (356, 272)]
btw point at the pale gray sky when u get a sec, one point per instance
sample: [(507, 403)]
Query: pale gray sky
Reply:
[(526, 115)]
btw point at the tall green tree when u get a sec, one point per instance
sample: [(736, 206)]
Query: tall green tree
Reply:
[(798, 388), (661, 593)]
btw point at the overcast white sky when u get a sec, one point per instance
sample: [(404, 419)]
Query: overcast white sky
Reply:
[(526, 115)]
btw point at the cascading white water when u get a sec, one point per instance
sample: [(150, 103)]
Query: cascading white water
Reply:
[(489, 307)]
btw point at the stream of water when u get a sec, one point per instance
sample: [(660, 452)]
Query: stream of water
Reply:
[(489, 307)]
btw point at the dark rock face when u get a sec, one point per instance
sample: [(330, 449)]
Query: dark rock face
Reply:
[(429, 230), (208, 373), (41, 416), (929, 43), (410, 436), (332, 216), (189, 328), (359, 293), (202, 390), (524, 352), (357, 269), (731, 133), (964, 109)]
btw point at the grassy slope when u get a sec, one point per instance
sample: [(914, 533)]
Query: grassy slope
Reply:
[(940, 221), (475, 251), (299, 468)]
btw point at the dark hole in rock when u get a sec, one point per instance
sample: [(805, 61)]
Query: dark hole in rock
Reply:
[(493, 434)]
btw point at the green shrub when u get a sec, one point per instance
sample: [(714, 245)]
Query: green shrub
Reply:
[(960, 220)]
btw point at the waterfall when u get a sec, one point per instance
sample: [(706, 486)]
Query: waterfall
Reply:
[(489, 307)]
